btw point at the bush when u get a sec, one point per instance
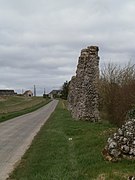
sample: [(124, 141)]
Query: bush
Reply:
[(117, 92), (64, 90), (131, 113)]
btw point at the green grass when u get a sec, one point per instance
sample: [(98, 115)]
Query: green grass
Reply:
[(13, 106), (52, 156)]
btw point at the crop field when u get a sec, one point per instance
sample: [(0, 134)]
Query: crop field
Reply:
[(12, 106)]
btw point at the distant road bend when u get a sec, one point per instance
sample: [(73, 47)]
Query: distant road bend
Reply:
[(17, 134)]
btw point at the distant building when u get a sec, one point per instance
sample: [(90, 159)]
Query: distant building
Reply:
[(7, 92), (55, 93), (28, 93)]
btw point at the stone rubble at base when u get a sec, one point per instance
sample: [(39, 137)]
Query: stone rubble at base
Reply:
[(122, 143), (83, 88)]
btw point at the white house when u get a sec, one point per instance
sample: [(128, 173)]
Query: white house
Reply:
[(28, 93)]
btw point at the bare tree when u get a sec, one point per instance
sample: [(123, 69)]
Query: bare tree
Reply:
[(117, 91)]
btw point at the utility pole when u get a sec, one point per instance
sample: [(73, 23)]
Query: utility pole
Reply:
[(44, 90), (34, 90), (44, 95)]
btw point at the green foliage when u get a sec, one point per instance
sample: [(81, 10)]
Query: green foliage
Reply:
[(131, 113), (45, 96), (53, 155), (64, 92)]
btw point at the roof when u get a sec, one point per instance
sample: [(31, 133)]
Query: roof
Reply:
[(28, 91), (55, 91), (6, 90)]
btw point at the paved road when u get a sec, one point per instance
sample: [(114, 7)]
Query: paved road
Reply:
[(17, 134)]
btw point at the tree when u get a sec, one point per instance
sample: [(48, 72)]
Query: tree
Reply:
[(64, 91)]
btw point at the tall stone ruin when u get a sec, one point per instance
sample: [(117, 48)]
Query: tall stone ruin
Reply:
[(83, 88)]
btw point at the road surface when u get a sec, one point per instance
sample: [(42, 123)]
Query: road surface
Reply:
[(17, 134)]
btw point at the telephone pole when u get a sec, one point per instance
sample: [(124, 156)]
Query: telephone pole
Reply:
[(34, 90), (44, 90), (44, 95)]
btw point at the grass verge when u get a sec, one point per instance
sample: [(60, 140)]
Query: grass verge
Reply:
[(65, 149), (19, 106)]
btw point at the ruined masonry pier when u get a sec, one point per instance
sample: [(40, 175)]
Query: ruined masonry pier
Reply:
[(83, 88)]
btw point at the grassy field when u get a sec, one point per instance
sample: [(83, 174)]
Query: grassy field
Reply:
[(65, 149), (12, 106)]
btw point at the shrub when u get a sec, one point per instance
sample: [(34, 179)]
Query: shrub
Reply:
[(117, 92), (64, 90)]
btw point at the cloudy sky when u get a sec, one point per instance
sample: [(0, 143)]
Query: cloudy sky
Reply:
[(40, 40)]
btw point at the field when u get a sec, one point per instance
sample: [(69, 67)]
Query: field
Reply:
[(12, 106), (66, 149)]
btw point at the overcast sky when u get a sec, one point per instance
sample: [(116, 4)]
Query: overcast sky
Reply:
[(40, 40)]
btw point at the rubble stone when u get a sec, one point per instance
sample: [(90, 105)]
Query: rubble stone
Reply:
[(122, 143), (83, 88)]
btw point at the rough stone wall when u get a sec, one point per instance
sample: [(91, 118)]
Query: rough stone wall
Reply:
[(83, 88), (122, 143)]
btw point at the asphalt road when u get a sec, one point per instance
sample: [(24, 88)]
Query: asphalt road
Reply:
[(17, 134)]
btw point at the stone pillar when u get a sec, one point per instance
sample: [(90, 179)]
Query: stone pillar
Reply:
[(83, 88)]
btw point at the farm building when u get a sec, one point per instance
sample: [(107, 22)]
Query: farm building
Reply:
[(55, 93), (28, 93), (7, 92)]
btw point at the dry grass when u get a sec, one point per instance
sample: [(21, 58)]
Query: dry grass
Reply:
[(15, 103), (117, 92), (12, 106)]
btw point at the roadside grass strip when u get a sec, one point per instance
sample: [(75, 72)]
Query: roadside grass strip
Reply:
[(66, 149)]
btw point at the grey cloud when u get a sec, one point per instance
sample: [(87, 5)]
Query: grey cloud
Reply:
[(40, 41)]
